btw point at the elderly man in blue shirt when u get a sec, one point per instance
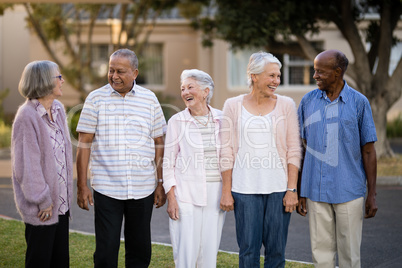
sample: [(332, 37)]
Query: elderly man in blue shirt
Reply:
[(338, 134)]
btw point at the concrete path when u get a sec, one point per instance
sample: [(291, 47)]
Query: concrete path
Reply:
[(382, 235)]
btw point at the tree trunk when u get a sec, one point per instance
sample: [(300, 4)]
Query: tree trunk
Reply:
[(379, 108)]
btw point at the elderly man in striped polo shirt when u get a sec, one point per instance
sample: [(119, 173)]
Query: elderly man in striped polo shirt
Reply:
[(121, 132)]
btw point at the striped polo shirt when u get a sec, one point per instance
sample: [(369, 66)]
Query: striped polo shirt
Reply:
[(122, 164)]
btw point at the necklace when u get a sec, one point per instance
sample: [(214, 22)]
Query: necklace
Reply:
[(201, 122)]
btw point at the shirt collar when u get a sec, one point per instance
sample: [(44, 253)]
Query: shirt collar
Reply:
[(41, 109), (343, 96), (114, 92), (186, 116)]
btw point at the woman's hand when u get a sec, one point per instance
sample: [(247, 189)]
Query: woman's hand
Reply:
[(290, 201), (45, 214), (173, 207), (227, 202)]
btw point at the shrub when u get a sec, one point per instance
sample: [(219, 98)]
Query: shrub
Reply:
[(5, 135), (394, 127), (73, 115)]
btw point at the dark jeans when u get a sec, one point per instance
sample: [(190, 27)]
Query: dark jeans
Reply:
[(261, 220), (47, 245), (109, 213)]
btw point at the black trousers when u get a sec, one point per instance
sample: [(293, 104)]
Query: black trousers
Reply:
[(109, 213), (47, 245)]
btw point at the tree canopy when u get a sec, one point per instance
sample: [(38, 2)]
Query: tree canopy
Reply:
[(70, 28), (285, 26)]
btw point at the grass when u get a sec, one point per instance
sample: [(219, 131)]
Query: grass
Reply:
[(82, 247), (389, 166)]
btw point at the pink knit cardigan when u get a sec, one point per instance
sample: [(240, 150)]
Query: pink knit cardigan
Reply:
[(285, 128), (34, 172)]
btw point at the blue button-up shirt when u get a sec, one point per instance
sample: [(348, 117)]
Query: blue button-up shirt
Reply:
[(334, 132)]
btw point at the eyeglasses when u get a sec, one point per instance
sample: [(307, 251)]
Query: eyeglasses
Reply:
[(59, 76)]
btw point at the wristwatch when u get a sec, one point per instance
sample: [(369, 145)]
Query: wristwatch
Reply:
[(291, 189)]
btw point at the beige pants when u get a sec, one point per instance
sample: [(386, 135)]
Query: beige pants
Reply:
[(336, 228)]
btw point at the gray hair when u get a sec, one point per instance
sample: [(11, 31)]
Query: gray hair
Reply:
[(38, 79), (257, 63), (129, 54), (203, 79), (341, 61)]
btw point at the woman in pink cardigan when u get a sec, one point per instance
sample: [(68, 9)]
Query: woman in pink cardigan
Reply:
[(191, 175), (260, 158), (42, 163)]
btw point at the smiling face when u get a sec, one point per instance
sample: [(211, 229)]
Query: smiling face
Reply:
[(325, 72), (267, 81), (121, 74), (57, 92), (192, 94)]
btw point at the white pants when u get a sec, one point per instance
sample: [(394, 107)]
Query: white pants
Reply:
[(336, 228), (196, 235)]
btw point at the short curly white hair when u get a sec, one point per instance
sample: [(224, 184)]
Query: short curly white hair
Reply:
[(203, 79)]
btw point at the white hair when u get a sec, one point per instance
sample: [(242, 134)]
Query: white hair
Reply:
[(203, 79), (257, 63)]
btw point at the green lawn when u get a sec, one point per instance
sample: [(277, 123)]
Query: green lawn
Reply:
[(12, 250)]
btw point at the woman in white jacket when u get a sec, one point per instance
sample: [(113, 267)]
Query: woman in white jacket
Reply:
[(192, 178)]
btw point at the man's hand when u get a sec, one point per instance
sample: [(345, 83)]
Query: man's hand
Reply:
[(371, 207), (370, 167), (290, 201), (84, 196), (160, 196), (302, 207)]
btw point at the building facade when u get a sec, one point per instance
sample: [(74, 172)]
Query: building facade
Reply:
[(173, 46)]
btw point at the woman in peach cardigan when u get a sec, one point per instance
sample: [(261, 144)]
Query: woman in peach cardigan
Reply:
[(260, 159)]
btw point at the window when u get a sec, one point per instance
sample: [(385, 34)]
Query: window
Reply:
[(296, 71), (100, 59), (151, 65), (237, 68), (99, 65)]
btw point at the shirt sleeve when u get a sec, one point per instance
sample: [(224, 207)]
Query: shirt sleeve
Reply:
[(170, 155), (89, 117), (227, 134), (300, 114), (159, 123), (293, 136), (366, 124), (26, 163)]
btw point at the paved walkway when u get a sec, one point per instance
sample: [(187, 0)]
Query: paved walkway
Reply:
[(382, 235)]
